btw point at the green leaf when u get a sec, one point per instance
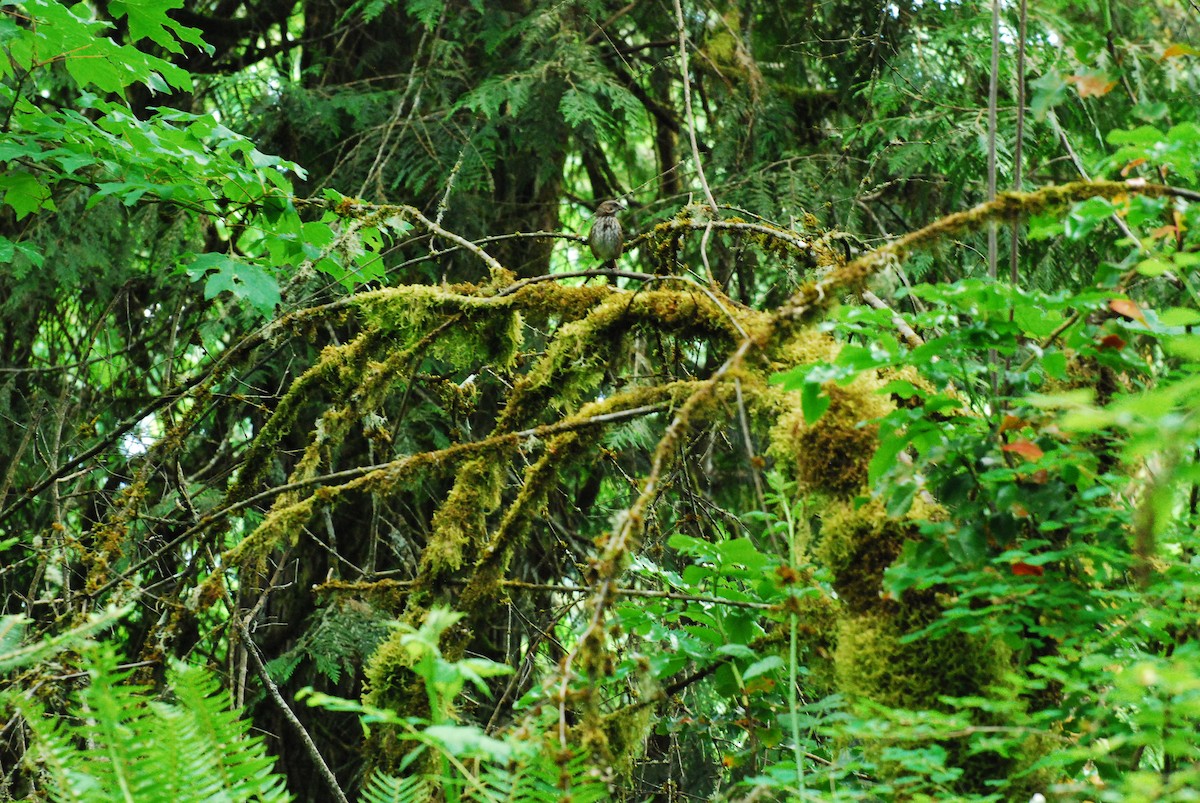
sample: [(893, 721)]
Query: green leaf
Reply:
[(1054, 363), (1044, 227), (741, 551), (1035, 321), (762, 666), (736, 651), (25, 194), (464, 740), (1144, 136), (1179, 316), (1048, 91), (148, 20), (246, 281), (814, 402), (1155, 266), (901, 499), (1086, 217)]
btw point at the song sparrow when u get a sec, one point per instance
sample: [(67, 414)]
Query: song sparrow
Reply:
[(606, 238)]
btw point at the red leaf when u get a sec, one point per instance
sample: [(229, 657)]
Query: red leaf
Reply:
[(1128, 168), (1026, 449), (1112, 342), (1123, 306), (1023, 569), (1011, 422), (1093, 85), (1179, 50)]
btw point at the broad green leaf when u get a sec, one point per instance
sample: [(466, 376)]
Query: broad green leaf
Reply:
[(814, 401), (1055, 364), (465, 740), (1155, 266), (246, 281), (736, 651), (1085, 217), (148, 20), (742, 551), (1048, 91), (25, 194), (762, 666), (1179, 316)]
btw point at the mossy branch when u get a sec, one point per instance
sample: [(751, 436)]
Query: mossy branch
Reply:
[(589, 649), (853, 275)]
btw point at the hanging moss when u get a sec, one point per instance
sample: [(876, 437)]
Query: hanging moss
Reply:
[(460, 522), (481, 331)]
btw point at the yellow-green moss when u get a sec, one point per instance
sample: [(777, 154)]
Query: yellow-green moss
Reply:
[(804, 346), (460, 524), (873, 663), (833, 454), (479, 329)]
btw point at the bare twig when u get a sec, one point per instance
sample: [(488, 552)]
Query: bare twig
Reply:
[(910, 336), (632, 522), (273, 692), (749, 443), (687, 105), (1018, 145)]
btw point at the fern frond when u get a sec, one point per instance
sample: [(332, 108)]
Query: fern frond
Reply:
[(384, 788), (119, 744)]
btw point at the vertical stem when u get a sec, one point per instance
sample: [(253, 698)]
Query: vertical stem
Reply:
[(793, 654), (687, 105), (1018, 152), (993, 93)]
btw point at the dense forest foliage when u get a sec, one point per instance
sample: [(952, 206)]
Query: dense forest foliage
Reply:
[(335, 464)]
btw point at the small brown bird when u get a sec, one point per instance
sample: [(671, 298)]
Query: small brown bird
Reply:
[(606, 238)]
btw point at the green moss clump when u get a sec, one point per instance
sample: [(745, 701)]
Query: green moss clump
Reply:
[(833, 454), (459, 525), (484, 331), (875, 663)]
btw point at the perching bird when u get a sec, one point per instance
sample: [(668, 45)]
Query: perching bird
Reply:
[(606, 238)]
